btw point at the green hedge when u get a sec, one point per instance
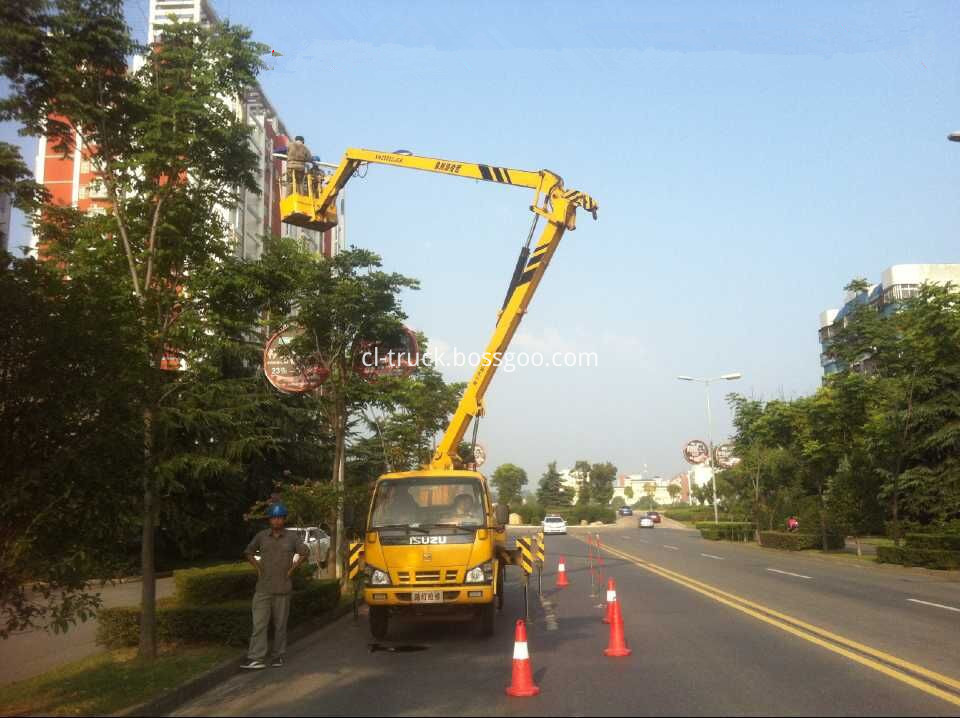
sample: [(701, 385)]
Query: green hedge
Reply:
[(591, 512), (799, 542), (694, 514), (230, 622), (227, 582), (936, 542), (726, 530), (909, 556)]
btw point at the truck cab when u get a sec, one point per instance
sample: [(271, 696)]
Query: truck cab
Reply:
[(434, 543)]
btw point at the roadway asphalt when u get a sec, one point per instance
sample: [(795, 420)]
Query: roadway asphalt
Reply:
[(695, 652)]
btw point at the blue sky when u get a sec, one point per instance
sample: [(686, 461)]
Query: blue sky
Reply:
[(749, 159)]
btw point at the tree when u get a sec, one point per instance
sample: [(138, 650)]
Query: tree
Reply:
[(581, 472), (602, 477), (169, 151), (343, 302), (650, 489), (551, 493), (509, 480), (674, 491), (628, 492), (68, 442)]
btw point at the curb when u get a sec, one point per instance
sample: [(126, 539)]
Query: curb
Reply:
[(195, 687)]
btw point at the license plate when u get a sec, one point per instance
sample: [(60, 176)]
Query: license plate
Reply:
[(427, 597)]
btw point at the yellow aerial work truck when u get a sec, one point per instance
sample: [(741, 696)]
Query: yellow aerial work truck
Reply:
[(434, 538)]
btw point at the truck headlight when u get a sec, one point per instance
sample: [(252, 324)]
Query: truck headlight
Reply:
[(480, 574), (376, 577)]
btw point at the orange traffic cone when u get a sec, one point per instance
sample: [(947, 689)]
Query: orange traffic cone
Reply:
[(611, 599), (618, 644), (521, 685), (562, 573)]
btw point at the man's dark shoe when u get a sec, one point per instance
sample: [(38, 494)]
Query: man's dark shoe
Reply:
[(277, 662), (253, 665)]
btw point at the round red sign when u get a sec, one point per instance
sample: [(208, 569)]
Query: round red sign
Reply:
[(284, 371)]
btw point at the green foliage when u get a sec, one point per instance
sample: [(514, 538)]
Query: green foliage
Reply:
[(945, 542), (916, 556), (602, 477), (726, 530), (618, 501), (697, 514), (798, 541), (586, 512), (531, 513), (509, 479), (228, 622), (223, 583), (551, 492)]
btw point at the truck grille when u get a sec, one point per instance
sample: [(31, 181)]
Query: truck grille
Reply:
[(437, 576)]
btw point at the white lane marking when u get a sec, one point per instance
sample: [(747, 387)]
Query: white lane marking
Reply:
[(642, 540), (938, 605), (710, 555), (626, 538), (787, 573), (672, 548)]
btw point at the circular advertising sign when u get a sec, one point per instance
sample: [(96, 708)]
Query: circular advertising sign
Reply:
[(282, 369), (724, 457), (696, 452)]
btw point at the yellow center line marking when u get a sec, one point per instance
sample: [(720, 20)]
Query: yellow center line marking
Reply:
[(819, 637)]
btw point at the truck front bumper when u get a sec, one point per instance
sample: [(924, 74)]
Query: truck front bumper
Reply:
[(453, 595)]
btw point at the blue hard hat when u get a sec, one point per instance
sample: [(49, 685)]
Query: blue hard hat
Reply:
[(277, 511)]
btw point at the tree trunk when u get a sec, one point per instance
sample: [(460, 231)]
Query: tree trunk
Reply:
[(339, 432), (148, 590), (859, 549)]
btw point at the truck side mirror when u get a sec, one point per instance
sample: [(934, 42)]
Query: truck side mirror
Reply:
[(502, 514)]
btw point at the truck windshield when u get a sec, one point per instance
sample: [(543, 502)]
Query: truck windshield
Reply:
[(428, 501)]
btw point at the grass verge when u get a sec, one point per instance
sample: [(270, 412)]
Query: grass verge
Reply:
[(109, 682)]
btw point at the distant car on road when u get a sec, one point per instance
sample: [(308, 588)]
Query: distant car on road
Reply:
[(625, 511), (554, 525), (646, 522), (655, 515)]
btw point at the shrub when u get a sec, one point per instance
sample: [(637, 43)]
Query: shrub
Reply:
[(589, 513), (697, 513), (531, 513), (909, 556), (726, 530), (229, 622), (227, 582), (799, 542), (937, 542)]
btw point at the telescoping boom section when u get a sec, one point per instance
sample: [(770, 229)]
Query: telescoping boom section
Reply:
[(553, 203)]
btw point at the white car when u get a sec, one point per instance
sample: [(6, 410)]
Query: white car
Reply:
[(317, 541), (554, 525), (646, 522)]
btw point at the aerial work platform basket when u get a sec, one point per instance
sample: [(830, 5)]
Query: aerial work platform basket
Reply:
[(301, 210)]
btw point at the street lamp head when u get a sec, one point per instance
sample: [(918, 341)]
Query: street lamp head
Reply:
[(731, 377), (686, 378), (954, 137)]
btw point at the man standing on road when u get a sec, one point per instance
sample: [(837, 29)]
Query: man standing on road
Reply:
[(281, 551)]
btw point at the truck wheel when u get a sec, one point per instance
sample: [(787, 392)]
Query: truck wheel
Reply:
[(486, 617), (379, 621)]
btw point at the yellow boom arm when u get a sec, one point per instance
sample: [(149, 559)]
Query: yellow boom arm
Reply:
[(558, 206)]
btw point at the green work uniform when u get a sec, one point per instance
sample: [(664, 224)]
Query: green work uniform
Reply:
[(272, 594)]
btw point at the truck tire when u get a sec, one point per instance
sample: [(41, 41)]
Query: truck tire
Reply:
[(485, 620), (379, 621)]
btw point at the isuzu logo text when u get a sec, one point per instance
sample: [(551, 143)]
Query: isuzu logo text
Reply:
[(425, 540)]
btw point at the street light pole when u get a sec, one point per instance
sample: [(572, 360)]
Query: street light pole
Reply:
[(713, 474)]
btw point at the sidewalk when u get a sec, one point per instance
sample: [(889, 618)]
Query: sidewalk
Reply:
[(30, 653)]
